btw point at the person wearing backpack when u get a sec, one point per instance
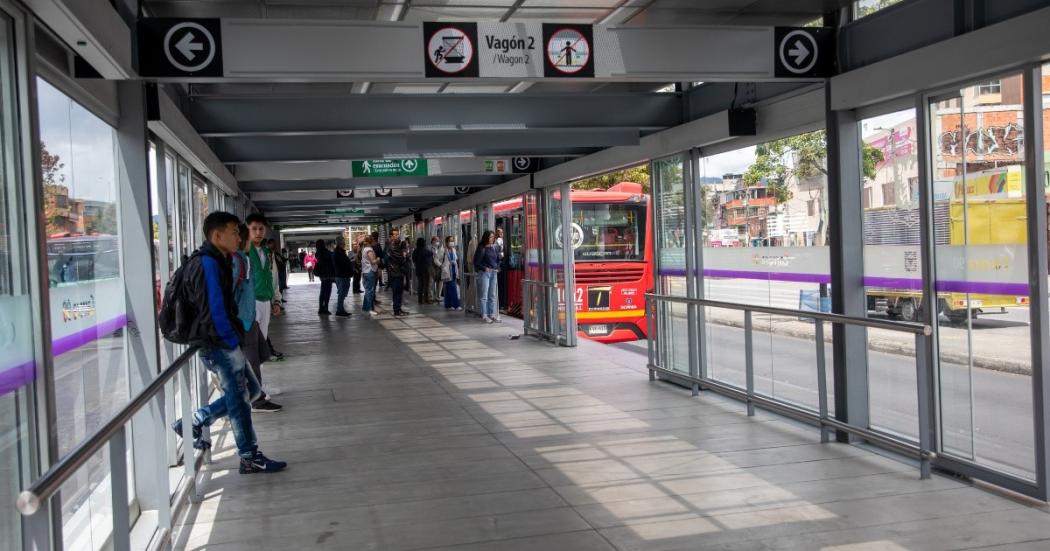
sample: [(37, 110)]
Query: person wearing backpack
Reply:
[(199, 309), (324, 269)]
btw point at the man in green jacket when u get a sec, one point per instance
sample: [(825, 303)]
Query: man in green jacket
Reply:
[(267, 296)]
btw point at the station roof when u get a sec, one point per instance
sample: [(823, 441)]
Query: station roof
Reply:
[(290, 145)]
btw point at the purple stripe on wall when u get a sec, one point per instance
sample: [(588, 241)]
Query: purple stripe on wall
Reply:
[(80, 338), (983, 287), (17, 377)]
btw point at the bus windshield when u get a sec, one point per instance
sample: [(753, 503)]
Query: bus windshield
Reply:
[(609, 231)]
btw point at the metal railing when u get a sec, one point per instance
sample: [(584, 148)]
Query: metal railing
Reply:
[(922, 451), (34, 501), (536, 298)]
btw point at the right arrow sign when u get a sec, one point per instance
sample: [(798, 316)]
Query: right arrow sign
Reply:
[(804, 52)]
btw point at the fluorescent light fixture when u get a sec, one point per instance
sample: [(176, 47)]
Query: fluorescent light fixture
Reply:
[(430, 127), (393, 156), (494, 126), (449, 155)]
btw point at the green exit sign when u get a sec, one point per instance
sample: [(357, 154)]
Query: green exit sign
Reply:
[(345, 211), (385, 168)]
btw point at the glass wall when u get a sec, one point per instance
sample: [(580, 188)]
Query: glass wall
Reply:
[(672, 329), (893, 264), (765, 238), (977, 151), (17, 361), (88, 313)]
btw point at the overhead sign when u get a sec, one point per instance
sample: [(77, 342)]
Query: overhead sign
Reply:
[(498, 166), (345, 211), (451, 49), (464, 190), (344, 194), (174, 47), (508, 50), (524, 165), (803, 52), (385, 168), (383, 192), (568, 50)]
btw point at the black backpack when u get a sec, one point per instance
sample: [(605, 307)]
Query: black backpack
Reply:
[(177, 312)]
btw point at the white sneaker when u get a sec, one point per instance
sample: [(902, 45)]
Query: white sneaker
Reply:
[(497, 320), (373, 313), (488, 320)]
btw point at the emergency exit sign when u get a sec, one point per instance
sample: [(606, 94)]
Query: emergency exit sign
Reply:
[(386, 168), (345, 211)]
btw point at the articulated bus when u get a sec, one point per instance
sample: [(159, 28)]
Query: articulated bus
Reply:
[(612, 247)]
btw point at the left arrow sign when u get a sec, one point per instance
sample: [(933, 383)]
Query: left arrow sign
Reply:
[(187, 46)]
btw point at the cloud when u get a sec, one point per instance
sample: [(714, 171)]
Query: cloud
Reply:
[(730, 162)]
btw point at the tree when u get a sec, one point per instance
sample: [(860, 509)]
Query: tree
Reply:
[(51, 174), (637, 174), (872, 6)]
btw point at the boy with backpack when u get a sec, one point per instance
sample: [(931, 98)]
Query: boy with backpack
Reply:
[(199, 309)]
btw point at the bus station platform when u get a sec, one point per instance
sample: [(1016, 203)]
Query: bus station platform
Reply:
[(435, 431)]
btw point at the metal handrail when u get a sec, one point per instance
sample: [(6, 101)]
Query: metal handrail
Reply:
[(922, 333), (902, 326), (44, 487), (539, 283)]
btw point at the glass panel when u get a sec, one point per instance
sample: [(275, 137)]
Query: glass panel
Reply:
[(892, 266), (672, 331), (88, 317), (765, 243), (611, 251), (17, 362), (555, 272), (982, 277)]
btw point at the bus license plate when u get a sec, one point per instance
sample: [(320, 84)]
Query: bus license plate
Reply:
[(598, 330)]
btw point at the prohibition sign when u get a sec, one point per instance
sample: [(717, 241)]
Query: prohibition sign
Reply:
[(568, 51), (450, 50)]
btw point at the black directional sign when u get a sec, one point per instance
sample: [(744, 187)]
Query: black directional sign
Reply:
[(464, 190), (344, 194), (171, 47), (804, 52), (524, 165)]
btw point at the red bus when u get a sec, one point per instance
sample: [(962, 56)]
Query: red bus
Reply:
[(612, 246)]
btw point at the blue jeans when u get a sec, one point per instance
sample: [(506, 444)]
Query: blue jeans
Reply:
[(343, 286), (397, 285), (326, 293), (239, 388), (370, 292), (488, 294)]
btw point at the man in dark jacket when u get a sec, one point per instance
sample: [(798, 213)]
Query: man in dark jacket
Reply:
[(423, 258), (396, 259), (218, 333), (325, 269), (344, 270)]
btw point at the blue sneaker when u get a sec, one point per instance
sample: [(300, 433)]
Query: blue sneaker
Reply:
[(199, 443), (259, 463)]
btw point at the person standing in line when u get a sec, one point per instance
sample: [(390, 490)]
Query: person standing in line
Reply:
[(302, 259), (324, 269), (218, 332), (397, 268), (369, 273), (309, 261), (450, 274), (471, 288), (377, 249), (267, 297), (343, 272), (285, 262), (501, 276), (436, 285), (255, 348), (486, 266), (423, 259), (355, 259), (278, 264)]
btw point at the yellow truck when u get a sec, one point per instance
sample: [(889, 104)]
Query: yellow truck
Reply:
[(981, 236)]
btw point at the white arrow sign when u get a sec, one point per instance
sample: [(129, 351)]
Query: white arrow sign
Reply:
[(187, 46), (799, 52)]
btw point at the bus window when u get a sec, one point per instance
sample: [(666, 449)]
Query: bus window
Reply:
[(610, 231)]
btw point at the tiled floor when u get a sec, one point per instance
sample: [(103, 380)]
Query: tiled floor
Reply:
[(438, 432)]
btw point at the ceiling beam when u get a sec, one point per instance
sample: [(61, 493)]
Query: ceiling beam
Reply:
[(351, 183), (213, 115)]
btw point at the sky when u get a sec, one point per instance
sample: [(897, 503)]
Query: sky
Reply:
[(83, 142)]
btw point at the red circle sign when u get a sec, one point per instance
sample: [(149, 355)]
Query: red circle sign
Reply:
[(450, 50), (568, 51)]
